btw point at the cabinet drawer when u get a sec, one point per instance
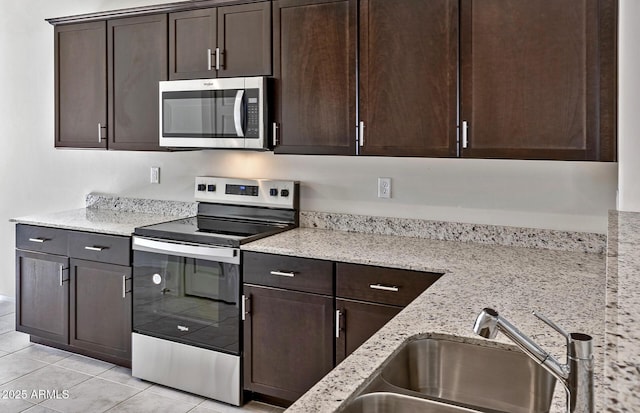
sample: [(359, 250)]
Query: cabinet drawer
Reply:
[(41, 239), (112, 249), (291, 273), (381, 285)]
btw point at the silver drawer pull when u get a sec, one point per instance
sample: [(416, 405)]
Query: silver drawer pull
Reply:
[(38, 240), (384, 287), (283, 273), (124, 286), (96, 248), (61, 273)]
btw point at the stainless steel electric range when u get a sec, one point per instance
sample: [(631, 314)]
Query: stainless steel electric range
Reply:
[(187, 284)]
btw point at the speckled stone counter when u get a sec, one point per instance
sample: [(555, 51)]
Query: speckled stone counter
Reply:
[(622, 358), (457, 231), (568, 287), (112, 215)]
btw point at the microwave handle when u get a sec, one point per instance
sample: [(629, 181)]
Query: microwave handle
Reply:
[(237, 115)]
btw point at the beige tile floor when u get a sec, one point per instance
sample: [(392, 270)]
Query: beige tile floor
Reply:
[(40, 379)]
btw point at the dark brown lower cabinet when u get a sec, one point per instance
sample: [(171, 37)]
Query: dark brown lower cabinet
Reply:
[(42, 295), (73, 291), (288, 341), (101, 308), (358, 321)]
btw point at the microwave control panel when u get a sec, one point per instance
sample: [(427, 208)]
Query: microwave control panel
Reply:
[(253, 113)]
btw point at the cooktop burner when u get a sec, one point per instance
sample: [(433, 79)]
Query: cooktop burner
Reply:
[(211, 231), (232, 212)]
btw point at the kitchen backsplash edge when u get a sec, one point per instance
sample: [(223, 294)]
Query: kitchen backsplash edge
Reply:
[(418, 228), (456, 231), (139, 205)]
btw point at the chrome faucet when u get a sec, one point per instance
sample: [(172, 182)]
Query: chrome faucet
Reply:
[(576, 374)]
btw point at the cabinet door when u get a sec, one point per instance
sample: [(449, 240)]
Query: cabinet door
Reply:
[(359, 321), (137, 50), (408, 77), (314, 65), (101, 308), (42, 295), (192, 44), (81, 85), (244, 39), (537, 79), (288, 341)]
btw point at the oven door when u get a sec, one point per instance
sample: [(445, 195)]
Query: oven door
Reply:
[(188, 294)]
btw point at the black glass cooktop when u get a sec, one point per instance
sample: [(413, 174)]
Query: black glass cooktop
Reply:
[(211, 231)]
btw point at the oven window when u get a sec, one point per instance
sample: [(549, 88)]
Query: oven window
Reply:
[(199, 114), (191, 301)]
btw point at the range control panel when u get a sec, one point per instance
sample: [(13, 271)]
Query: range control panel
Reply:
[(257, 192)]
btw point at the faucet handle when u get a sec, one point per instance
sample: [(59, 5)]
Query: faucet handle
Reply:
[(553, 325)]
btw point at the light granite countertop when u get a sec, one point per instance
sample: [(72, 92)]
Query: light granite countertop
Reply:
[(568, 287), (622, 358), (113, 215), (104, 221)]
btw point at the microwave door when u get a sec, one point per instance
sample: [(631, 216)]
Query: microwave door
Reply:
[(237, 113)]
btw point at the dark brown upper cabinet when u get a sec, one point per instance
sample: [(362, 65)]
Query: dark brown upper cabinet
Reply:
[(408, 77), (314, 66), (192, 44), (244, 39), (137, 55), (538, 79), (220, 42), (81, 85)]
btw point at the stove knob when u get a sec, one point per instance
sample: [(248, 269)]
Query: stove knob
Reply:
[(284, 192), (211, 188), (202, 187), (273, 191)]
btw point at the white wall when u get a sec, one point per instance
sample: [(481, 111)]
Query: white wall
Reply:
[(629, 109), (36, 178)]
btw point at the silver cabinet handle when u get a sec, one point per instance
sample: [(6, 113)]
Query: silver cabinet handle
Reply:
[(217, 58), (124, 286), (338, 314), (384, 287), (237, 116), (100, 127), (95, 248), (38, 240), (61, 274), (244, 310), (208, 59), (465, 135), (275, 134), (361, 133), (283, 273)]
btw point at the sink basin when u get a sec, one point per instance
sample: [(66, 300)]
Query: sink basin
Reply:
[(398, 403), (438, 375), (473, 375)]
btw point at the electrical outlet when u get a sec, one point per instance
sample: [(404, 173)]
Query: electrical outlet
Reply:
[(384, 187), (155, 175)]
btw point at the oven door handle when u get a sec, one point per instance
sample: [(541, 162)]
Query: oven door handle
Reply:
[(221, 254)]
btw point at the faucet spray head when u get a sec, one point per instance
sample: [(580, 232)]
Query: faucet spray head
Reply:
[(486, 324)]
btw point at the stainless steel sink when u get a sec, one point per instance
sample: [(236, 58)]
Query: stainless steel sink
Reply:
[(478, 377), (398, 403)]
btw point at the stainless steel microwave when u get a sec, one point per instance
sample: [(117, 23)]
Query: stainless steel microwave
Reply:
[(214, 113)]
